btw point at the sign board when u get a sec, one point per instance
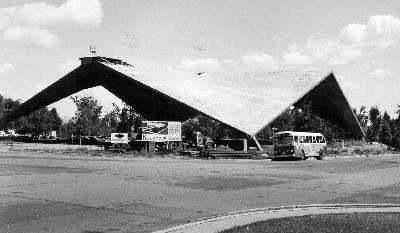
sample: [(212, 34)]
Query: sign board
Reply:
[(119, 138), (161, 131)]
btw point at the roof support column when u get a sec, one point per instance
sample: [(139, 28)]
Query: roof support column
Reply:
[(258, 144)]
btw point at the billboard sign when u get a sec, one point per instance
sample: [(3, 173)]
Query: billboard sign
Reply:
[(119, 138), (161, 131)]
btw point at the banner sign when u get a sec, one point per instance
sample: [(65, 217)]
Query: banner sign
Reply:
[(161, 131), (119, 138)]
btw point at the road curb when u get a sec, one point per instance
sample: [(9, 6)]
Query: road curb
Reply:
[(229, 220)]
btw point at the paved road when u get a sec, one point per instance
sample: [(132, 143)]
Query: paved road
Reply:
[(67, 193)]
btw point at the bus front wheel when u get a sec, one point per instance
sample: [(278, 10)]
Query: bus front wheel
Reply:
[(209, 145), (320, 155), (302, 155)]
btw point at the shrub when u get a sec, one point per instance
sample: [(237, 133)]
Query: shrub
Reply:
[(378, 151), (352, 142), (347, 143), (358, 151), (368, 151), (333, 151)]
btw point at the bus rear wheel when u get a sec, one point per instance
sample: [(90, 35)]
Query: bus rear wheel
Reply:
[(172, 145), (303, 155), (320, 155)]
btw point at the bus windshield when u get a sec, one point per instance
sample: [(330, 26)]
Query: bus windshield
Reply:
[(283, 139)]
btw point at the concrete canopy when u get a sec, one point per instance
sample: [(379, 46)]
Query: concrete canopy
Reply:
[(247, 102)]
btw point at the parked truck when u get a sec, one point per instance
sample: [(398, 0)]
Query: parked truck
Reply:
[(199, 141)]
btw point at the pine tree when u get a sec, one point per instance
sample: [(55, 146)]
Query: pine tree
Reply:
[(395, 123), (362, 117), (369, 134), (385, 135), (376, 122)]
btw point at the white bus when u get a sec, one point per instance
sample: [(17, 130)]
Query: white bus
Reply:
[(298, 144)]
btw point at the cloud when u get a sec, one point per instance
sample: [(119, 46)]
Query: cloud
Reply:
[(33, 20), (381, 31), (380, 73), (350, 43), (353, 33), (80, 12), (295, 56), (6, 67), (328, 50), (31, 35)]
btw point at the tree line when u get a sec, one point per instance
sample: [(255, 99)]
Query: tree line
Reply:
[(383, 128), (377, 127), (39, 122), (89, 121)]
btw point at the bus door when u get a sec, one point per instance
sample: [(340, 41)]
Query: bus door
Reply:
[(320, 143), (308, 145), (314, 146), (302, 144), (297, 144)]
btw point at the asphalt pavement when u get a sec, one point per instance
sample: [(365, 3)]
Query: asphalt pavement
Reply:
[(42, 192)]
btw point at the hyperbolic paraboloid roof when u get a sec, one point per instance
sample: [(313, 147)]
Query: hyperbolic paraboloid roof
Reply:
[(246, 101)]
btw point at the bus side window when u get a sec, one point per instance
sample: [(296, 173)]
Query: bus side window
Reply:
[(323, 140), (308, 139), (296, 139), (313, 139), (301, 139), (319, 139)]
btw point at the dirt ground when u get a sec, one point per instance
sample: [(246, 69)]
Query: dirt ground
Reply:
[(34, 147)]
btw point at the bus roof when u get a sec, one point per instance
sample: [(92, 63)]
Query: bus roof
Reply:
[(299, 133)]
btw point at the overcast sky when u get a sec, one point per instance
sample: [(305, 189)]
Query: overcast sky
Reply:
[(41, 41)]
